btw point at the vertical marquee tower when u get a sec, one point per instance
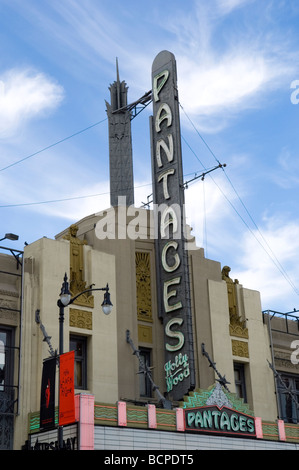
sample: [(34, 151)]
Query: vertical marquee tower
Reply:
[(120, 144)]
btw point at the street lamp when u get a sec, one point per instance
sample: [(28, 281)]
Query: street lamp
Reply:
[(65, 296), (10, 236), (65, 300)]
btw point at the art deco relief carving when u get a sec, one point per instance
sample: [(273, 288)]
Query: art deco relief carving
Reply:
[(237, 327), (240, 348), (80, 319), (9, 307), (77, 282), (145, 334), (143, 286), (237, 324)]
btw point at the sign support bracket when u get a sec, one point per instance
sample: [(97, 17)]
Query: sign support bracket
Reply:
[(144, 369), (222, 380)]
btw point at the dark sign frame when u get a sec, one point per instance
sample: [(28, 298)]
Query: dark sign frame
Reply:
[(173, 287)]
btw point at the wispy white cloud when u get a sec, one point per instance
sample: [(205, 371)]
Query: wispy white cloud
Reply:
[(90, 35), (219, 75), (271, 267), (223, 74), (54, 192), (24, 95), (286, 172), (209, 212), (262, 258), (223, 84), (227, 6), (226, 64)]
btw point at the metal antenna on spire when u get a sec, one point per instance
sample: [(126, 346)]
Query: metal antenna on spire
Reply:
[(117, 70), (117, 84)]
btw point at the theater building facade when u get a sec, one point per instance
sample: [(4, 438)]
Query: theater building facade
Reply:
[(186, 359)]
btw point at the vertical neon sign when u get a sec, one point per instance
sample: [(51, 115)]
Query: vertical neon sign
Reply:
[(172, 257)]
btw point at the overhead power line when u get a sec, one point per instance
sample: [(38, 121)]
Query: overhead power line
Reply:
[(270, 253), (73, 198), (53, 145)]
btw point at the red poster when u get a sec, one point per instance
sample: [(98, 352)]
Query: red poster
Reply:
[(66, 389), (47, 402)]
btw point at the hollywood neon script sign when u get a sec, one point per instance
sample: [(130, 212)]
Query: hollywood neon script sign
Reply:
[(172, 261)]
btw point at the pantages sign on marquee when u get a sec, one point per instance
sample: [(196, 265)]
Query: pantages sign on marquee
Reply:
[(172, 257), (220, 420), (218, 412)]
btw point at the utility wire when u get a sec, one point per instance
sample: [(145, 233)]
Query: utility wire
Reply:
[(73, 198), (281, 268), (53, 145), (272, 255), (51, 201), (275, 260), (200, 136), (204, 235)]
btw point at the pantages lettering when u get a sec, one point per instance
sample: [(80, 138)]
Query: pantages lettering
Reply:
[(219, 420), (172, 261)]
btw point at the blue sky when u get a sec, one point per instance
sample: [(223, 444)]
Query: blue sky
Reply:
[(238, 80)]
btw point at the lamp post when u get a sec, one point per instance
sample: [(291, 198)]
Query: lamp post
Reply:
[(65, 300), (10, 236)]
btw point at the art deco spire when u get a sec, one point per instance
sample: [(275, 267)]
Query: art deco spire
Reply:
[(120, 144)]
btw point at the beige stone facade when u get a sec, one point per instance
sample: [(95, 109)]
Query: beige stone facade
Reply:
[(227, 317)]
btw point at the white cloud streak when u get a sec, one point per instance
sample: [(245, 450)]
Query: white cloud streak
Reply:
[(24, 95), (227, 6), (260, 269), (221, 75), (286, 172), (218, 78), (262, 259)]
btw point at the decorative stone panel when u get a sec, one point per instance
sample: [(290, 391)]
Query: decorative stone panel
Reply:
[(80, 319), (240, 348), (145, 334), (143, 286)]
